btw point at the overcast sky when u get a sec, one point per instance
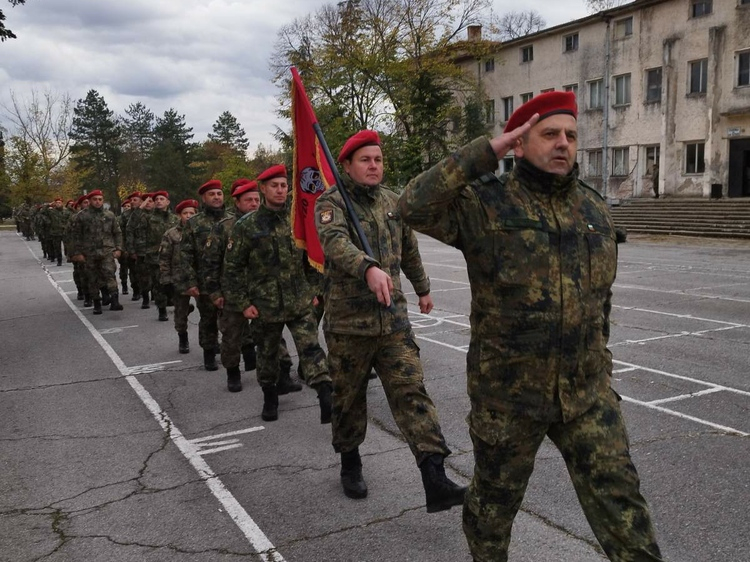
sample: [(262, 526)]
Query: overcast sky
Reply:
[(201, 57)]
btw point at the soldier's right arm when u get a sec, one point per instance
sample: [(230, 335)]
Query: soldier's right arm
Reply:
[(188, 277), (166, 251), (213, 259), (234, 279), (428, 204)]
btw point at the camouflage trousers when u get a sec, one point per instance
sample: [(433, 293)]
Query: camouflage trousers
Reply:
[(235, 336), (127, 270), (208, 328), (157, 295), (132, 267), (304, 330), (396, 360), (99, 273), (181, 311), (596, 451), (56, 247), (142, 274), (79, 277)]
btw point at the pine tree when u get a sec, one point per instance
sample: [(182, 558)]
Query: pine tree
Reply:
[(169, 165), (227, 131), (138, 135)]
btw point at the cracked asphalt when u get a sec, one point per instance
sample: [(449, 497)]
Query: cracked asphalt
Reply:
[(114, 447)]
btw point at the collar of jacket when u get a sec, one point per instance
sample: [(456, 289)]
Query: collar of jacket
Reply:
[(281, 213), (212, 212), (359, 190), (162, 211), (544, 182)]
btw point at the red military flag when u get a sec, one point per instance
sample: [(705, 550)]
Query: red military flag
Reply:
[(311, 175)]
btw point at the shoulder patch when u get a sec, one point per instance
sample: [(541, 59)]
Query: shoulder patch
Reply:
[(326, 216)]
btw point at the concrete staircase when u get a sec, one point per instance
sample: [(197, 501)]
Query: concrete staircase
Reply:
[(717, 218)]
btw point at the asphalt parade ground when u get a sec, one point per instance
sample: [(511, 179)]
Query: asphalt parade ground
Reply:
[(114, 447)]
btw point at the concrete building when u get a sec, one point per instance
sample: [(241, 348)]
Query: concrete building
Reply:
[(663, 91)]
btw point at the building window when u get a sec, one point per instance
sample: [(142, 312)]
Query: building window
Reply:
[(620, 161), (743, 67), (574, 87), (652, 161), (694, 158), (653, 85), (622, 89), (546, 90), (596, 94), (527, 97), (527, 53), (507, 108), (700, 8), (570, 43), (489, 65), (489, 111), (624, 28), (595, 164), (698, 76)]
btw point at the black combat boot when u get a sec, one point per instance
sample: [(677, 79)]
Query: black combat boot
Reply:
[(163, 314), (114, 302), (124, 287), (209, 360), (106, 297), (97, 306), (184, 344), (325, 390), (234, 379), (249, 357), (270, 404), (136, 295), (79, 296), (441, 492), (146, 300), (87, 300), (351, 475), (286, 384), (59, 261)]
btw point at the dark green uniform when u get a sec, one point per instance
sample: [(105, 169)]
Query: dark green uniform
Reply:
[(541, 257), (263, 267), (137, 245), (169, 264), (95, 234), (361, 333), (126, 263), (152, 229), (58, 219)]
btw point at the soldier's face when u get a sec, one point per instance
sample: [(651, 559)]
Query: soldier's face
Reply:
[(96, 201), (186, 213), (551, 144), (275, 192), (247, 202), (84, 204), (136, 202), (58, 204), (147, 204), (213, 198), (126, 207), (366, 166), (161, 202)]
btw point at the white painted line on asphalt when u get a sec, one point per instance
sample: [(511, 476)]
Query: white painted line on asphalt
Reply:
[(230, 434), (451, 281), (202, 451), (684, 316), (463, 348), (685, 396), (679, 292), (152, 368), (249, 528), (61, 280), (680, 335), (615, 371), (114, 330)]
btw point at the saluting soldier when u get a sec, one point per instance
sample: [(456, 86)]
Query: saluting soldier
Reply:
[(136, 199), (79, 277), (57, 221), (267, 277), (191, 278), (124, 259), (169, 264), (97, 241)]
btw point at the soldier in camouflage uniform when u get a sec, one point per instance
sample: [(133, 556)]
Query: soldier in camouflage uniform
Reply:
[(138, 245), (541, 256), (150, 233), (57, 221), (96, 242), (40, 221), (191, 278), (267, 277), (23, 215), (136, 200), (124, 269), (79, 275), (366, 323), (169, 265)]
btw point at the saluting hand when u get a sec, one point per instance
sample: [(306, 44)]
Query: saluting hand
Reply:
[(219, 303), (250, 312), (193, 292), (502, 144), (380, 283)]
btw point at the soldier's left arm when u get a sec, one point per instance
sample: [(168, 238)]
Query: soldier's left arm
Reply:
[(411, 262), (234, 278), (117, 235)]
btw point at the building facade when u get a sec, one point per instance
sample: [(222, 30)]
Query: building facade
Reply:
[(663, 90)]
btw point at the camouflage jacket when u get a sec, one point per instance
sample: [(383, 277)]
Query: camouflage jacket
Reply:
[(263, 267), (169, 255), (153, 227), (350, 306), (135, 235), (123, 220), (40, 221), (213, 257), (58, 218), (95, 232), (541, 257), (193, 245)]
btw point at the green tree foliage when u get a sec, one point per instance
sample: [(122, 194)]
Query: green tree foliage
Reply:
[(227, 131), (97, 148), (25, 170), (138, 141), (6, 33), (170, 164)]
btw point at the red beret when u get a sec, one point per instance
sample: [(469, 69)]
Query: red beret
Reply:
[(135, 194), (69, 201), (549, 103), (147, 195), (278, 171), (186, 203), (58, 199), (94, 193), (125, 202), (79, 200), (208, 186), (162, 193), (357, 141), (236, 183), (244, 188)]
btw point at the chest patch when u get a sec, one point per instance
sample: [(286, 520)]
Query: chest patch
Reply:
[(229, 244)]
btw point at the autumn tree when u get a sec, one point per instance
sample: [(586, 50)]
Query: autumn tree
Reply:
[(595, 6)]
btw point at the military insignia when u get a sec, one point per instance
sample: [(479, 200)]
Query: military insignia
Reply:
[(326, 217), (229, 244), (311, 182), (208, 243), (591, 228), (391, 215)]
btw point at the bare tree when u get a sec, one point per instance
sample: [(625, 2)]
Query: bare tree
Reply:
[(43, 122), (519, 24), (595, 6)]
